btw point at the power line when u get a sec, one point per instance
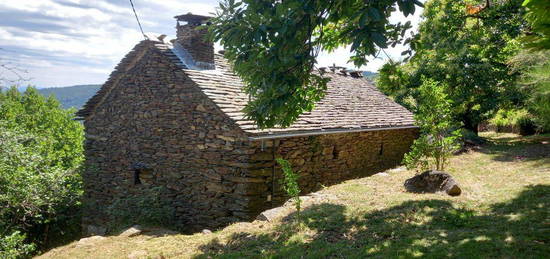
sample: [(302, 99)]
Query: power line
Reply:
[(137, 19), (391, 60)]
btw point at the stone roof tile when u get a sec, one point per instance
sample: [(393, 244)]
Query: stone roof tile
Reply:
[(349, 103)]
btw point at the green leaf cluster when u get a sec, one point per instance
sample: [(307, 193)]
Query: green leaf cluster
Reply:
[(506, 118), (30, 112), (290, 183), (13, 246), (41, 150), (534, 67), (468, 54), (273, 46), (538, 16), (439, 139)]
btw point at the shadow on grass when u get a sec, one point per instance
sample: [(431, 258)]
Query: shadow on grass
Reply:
[(519, 148), (429, 228)]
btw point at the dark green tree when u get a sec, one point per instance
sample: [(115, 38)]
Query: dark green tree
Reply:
[(273, 46), (538, 16), (466, 48)]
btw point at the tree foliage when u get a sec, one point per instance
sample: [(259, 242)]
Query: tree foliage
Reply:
[(538, 16), (40, 154), (44, 117), (13, 246), (466, 52), (439, 134), (273, 46), (534, 68)]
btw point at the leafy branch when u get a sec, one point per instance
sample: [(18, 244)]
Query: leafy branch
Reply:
[(273, 46)]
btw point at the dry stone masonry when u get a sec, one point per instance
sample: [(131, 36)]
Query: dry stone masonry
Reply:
[(157, 123)]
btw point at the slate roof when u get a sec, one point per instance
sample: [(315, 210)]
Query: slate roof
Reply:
[(350, 103)]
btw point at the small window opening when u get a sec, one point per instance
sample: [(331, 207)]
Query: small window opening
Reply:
[(381, 149), (137, 180)]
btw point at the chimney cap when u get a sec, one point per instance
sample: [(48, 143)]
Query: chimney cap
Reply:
[(192, 18)]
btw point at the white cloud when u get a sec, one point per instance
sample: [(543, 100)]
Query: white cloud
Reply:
[(65, 42), (196, 7), (86, 34)]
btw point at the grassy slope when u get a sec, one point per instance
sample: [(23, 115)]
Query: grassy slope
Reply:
[(503, 213)]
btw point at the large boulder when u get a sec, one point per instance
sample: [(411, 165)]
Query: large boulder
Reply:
[(288, 207), (431, 182), (273, 214), (135, 230)]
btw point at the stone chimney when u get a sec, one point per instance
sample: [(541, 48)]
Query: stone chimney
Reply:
[(194, 40)]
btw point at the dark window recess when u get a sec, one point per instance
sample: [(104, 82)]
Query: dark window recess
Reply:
[(137, 172), (381, 149)]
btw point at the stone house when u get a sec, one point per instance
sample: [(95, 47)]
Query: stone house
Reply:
[(170, 116)]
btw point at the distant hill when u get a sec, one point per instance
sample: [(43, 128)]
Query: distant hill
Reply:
[(71, 96), (370, 75)]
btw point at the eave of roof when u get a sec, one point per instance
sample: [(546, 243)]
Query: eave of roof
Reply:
[(326, 132)]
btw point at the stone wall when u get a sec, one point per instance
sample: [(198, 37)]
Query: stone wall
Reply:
[(326, 160), (154, 118)]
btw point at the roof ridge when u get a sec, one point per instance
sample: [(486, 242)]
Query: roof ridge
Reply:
[(127, 63)]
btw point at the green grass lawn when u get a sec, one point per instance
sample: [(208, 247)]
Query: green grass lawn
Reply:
[(503, 212)]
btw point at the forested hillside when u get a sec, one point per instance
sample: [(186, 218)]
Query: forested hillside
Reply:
[(370, 75), (71, 96)]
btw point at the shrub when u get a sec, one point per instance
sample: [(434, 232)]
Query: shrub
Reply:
[(534, 68), (505, 118), (13, 246), (438, 140), (539, 103), (32, 113), (527, 126), (40, 154), (290, 184), (514, 120)]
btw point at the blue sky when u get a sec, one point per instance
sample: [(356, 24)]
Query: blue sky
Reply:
[(68, 42)]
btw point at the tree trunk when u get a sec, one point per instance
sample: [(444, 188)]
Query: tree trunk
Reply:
[(470, 125)]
